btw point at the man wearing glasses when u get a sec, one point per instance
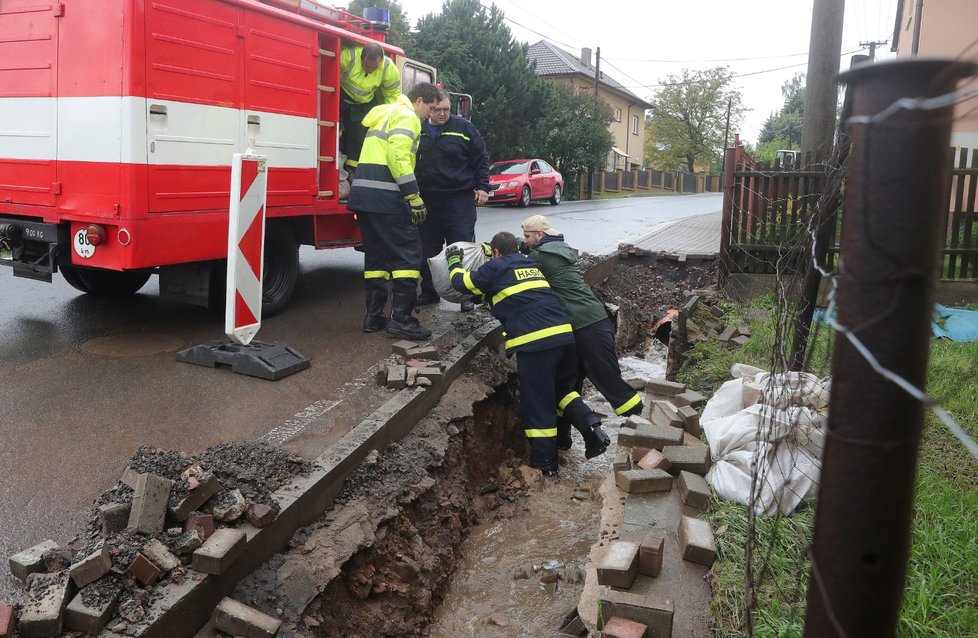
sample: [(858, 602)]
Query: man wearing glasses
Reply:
[(453, 175)]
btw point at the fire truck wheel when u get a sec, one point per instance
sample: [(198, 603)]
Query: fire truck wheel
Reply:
[(281, 268), (70, 273), (111, 283)]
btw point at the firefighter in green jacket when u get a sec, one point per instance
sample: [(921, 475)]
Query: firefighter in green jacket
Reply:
[(593, 332), (367, 78), (385, 196)]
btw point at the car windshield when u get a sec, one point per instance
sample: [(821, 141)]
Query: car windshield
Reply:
[(508, 168)]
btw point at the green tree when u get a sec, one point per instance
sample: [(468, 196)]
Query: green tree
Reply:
[(688, 118), (786, 123), (400, 31), (474, 52)]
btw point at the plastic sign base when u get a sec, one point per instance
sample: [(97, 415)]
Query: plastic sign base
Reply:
[(272, 361)]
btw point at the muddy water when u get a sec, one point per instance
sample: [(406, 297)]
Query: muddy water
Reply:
[(484, 600)]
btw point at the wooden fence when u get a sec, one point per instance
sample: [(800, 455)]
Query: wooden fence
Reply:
[(766, 213), (650, 181)]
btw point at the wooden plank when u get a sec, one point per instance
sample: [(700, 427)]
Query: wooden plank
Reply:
[(958, 209), (968, 264)]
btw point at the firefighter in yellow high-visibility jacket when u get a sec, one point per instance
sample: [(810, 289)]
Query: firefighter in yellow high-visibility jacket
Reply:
[(367, 78), (389, 208)]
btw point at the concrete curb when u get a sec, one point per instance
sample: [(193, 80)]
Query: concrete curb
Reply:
[(181, 609)]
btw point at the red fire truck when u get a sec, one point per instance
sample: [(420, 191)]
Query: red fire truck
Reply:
[(118, 120)]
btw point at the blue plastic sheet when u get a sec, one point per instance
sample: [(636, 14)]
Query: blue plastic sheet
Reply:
[(956, 324)]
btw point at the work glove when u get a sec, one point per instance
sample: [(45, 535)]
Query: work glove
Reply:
[(453, 255), (418, 210), (487, 250), (523, 247)]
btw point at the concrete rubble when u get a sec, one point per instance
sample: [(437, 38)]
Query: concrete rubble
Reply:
[(410, 365)]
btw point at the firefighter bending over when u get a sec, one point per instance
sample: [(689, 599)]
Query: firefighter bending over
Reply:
[(385, 196), (539, 333), (367, 78)]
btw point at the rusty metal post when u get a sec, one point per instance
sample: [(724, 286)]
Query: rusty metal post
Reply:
[(726, 219), (893, 202)]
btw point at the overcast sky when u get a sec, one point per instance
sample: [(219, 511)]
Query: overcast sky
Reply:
[(642, 41)]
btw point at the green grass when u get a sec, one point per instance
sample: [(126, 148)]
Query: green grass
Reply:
[(941, 596)]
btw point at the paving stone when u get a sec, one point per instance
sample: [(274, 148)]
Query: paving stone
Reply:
[(694, 489), (663, 413), (203, 524), (690, 398), (43, 614), (219, 551), (691, 458), (622, 462), (657, 436), (636, 421), (31, 560), (91, 618), (429, 373), (654, 460), (664, 388), (207, 486), (187, 542), (743, 331), (149, 502), (740, 341), (6, 620), (728, 333), (396, 377), (261, 515), (643, 481), (423, 352), (162, 557), (626, 437), (652, 611), (619, 566), (696, 541), (129, 477), (691, 419), (618, 627), (639, 452), (92, 567), (114, 517), (381, 375), (402, 347), (237, 619), (650, 554), (143, 570), (636, 383)]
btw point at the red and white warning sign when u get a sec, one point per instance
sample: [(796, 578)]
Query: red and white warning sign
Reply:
[(246, 247)]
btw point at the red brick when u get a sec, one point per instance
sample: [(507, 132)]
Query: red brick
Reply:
[(260, 514), (639, 452), (654, 460), (650, 555), (6, 620), (618, 627), (203, 524), (144, 571)]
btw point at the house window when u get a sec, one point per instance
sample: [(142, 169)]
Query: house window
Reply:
[(618, 115), (634, 125)]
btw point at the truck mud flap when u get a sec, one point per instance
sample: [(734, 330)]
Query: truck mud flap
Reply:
[(271, 360)]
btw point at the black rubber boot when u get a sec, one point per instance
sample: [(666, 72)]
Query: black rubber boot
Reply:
[(403, 324), (374, 319), (428, 297), (596, 441), (468, 306)]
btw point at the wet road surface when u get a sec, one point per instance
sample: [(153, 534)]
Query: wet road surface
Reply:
[(86, 380)]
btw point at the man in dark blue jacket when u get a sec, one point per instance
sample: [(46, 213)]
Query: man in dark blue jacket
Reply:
[(453, 175), (540, 334)]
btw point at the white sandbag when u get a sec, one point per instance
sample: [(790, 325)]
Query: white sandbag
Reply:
[(472, 259)]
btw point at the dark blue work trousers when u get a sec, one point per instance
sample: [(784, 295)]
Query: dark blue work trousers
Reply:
[(451, 218)]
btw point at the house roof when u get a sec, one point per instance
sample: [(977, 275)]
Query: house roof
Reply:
[(552, 61)]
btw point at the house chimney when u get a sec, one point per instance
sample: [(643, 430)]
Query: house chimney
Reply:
[(586, 56)]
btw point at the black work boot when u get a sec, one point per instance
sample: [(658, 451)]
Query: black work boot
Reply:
[(564, 440), (374, 319), (428, 297), (403, 324), (596, 441)]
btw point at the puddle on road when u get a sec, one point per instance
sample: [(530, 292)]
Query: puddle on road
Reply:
[(131, 344), (483, 599)]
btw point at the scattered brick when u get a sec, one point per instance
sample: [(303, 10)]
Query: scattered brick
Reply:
[(149, 502), (728, 333), (402, 347), (664, 414), (694, 490), (696, 541), (114, 517), (740, 341), (636, 383), (187, 542), (423, 352), (690, 398), (129, 477), (626, 437), (643, 481), (232, 507), (636, 421), (716, 311), (381, 376), (691, 419), (92, 567), (236, 619), (31, 560), (43, 614), (650, 555), (412, 377), (619, 566), (639, 452), (424, 382), (203, 524), (654, 459), (162, 557), (396, 377), (657, 436), (6, 620), (91, 618), (622, 462), (691, 458), (664, 388), (618, 627), (219, 551), (207, 486), (261, 515), (431, 373), (652, 611), (143, 570), (743, 331)]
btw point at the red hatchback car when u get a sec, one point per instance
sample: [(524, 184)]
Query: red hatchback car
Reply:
[(524, 180)]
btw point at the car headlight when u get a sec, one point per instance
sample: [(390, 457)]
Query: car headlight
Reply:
[(512, 184)]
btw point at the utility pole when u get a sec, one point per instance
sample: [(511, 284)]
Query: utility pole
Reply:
[(872, 47), (726, 134), (915, 43), (597, 83), (821, 90)]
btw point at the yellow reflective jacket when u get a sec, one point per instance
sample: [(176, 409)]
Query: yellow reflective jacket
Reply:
[(385, 175), (361, 87)]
